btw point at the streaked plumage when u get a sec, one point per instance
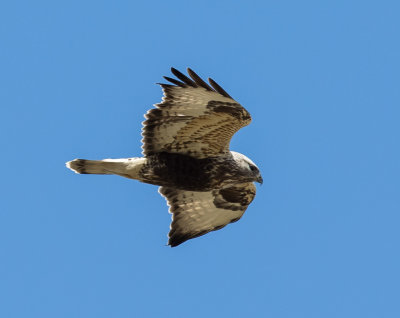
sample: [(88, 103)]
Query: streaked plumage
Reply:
[(186, 152)]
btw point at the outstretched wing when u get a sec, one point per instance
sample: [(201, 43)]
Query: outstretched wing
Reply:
[(197, 213), (194, 118)]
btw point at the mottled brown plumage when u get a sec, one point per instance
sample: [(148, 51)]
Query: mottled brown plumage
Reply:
[(186, 152)]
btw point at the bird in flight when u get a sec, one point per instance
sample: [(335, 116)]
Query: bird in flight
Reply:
[(186, 153)]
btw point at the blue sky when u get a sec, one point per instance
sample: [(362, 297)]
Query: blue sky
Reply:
[(321, 80)]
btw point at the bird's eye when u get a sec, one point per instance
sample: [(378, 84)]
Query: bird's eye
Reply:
[(252, 168)]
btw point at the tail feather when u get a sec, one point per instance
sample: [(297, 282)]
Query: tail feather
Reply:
[(129, 167), (83, 166)]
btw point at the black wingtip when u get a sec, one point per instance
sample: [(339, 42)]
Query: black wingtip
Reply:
[(218, 88), (176, 239), (174, 81), (195, 81), (174, 243), (183, 77)]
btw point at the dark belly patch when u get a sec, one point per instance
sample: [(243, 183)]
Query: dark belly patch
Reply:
[(181, 171)]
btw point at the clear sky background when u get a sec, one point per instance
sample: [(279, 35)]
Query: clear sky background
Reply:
[(321, 80)]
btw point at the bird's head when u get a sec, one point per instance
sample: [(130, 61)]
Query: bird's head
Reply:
[(247, 167)]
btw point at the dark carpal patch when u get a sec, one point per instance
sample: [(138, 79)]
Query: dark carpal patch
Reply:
[(236, 195), (234, 198), (233, 109)]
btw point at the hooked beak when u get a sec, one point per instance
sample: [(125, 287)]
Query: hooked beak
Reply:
[(260, 179)]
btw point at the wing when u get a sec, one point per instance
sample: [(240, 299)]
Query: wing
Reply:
[(197, 213), (194, 118)]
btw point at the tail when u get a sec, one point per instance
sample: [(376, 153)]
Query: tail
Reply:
[(128, 167), (83, 166)]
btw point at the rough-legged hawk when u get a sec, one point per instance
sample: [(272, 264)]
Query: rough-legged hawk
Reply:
[(186, 152)]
